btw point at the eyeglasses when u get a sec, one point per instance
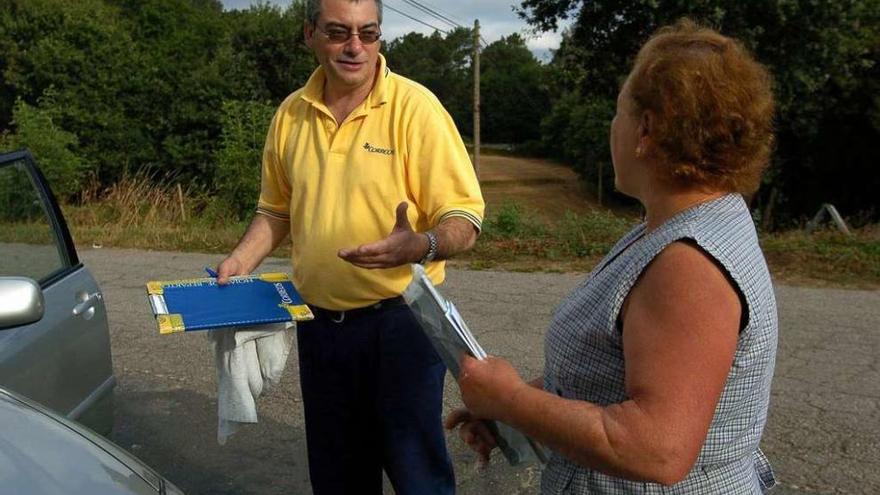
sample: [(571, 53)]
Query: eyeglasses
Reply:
[(342, 35)]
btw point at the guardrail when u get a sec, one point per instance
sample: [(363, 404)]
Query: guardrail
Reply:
[(829, 210)]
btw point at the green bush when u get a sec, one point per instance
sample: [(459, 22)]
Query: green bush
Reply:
[(513, 221), (16, 197), (52, 147), (240, 154), (509, 220), (594, 233), (577, 131)]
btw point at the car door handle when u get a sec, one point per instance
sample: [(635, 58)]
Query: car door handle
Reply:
[(87, 304)]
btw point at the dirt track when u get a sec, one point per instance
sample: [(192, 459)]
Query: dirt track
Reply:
[(546, 188)]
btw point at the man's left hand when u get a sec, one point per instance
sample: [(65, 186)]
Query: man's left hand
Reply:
[(401, 247), (473, 432)]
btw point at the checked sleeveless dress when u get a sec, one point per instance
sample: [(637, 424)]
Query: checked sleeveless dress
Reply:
[(585, 361)]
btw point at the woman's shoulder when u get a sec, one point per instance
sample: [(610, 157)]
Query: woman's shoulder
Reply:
[(684, 280), (684, 264)]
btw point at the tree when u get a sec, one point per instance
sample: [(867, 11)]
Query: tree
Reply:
[(822, 53), (513, 92), (240, 154), (443, 65), (55, 148), (79, 49), (266, 57), (175, 87), (140, 84)]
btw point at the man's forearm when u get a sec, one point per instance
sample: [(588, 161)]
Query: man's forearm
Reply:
[(454, 235), (404, 246), (263, 235)]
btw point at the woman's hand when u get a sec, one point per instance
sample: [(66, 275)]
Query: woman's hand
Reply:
[(489, 387), (473, 432)]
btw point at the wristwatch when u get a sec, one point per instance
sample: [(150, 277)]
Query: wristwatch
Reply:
[(432, 248)]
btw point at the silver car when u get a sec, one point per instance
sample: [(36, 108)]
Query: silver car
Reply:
[(46, 454), (54, 338), (54, 350)]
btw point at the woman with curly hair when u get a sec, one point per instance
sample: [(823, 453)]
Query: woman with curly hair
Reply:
[(658, 366)]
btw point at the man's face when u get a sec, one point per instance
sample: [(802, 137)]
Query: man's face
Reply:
[(350, 64)]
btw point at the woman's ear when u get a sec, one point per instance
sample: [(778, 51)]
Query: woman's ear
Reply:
[(646, 125)]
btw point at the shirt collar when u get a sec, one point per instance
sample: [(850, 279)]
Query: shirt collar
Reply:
[(379, 94)]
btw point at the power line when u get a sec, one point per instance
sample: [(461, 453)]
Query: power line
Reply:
[(417, 20), (433, 13), (425, 9), (445, 19), (446, 12)]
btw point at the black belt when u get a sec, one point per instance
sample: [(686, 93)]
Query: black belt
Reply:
[(340, 316)]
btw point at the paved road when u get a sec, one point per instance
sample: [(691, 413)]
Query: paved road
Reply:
[(822, 437)]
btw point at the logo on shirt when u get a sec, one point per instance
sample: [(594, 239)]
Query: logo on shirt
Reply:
[(382, 151)]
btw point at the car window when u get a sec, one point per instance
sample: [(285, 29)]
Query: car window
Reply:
[(29, 245)]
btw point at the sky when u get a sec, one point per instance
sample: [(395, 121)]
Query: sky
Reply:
[(497, 19)]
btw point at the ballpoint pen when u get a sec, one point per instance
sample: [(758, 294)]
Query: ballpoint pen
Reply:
[(211, 273)]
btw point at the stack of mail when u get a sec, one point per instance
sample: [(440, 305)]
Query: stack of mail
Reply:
[(452, 339)]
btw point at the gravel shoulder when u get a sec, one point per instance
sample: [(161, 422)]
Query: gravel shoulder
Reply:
[(822, 435)]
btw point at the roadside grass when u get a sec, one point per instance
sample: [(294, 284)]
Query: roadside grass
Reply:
[(514, 239), (517, 238), (825, 258), (139, 214)]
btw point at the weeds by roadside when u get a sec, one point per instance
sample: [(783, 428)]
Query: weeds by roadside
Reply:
[(826, 257), (136, 213), (514, 240)]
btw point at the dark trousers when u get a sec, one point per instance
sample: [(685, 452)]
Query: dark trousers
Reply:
[(372, 390)]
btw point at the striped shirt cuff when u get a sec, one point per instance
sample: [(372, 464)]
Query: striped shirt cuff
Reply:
[(470, 217), (273, 214)]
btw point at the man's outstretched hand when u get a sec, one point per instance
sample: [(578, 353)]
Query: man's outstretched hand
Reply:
[(402, 246)]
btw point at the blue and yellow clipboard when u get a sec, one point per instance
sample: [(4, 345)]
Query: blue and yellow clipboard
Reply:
[(200, 303)]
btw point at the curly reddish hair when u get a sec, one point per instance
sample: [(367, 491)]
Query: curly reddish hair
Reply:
[(711, 105)]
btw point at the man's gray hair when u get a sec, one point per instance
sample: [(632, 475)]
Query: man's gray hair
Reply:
[(313, 10)]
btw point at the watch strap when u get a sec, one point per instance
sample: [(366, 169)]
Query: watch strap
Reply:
[(432, 248)]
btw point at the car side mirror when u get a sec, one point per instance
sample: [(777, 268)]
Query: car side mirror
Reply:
[(21, 302)]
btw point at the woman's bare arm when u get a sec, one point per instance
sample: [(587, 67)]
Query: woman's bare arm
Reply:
[(680, 330)]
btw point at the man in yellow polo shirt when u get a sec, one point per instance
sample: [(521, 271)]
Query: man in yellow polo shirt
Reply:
[(366, 172)]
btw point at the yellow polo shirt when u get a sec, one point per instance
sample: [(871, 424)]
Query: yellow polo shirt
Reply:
[(338, 184)]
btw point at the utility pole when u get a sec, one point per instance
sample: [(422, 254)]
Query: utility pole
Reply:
[(476, 66)]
